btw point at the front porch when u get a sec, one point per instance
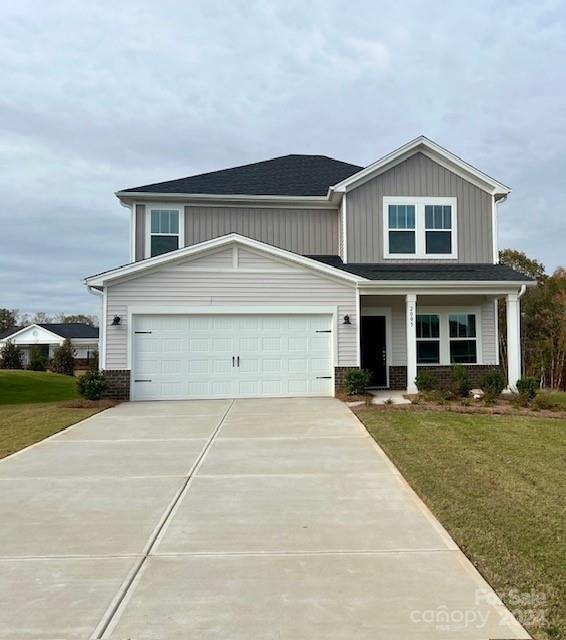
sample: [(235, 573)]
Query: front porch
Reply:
[(403, 333)]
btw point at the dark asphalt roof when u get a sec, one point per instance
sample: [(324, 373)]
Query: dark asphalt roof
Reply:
[(65, 330), (292, 175), (481, 272)]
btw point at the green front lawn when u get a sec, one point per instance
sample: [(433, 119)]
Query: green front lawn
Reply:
[(498, 484), (20, 387), (31, 410), (24, 424)]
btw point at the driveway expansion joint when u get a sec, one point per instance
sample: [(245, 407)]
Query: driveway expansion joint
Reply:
[(111, 616)]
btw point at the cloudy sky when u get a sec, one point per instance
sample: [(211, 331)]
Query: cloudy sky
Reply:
[(98, 96)]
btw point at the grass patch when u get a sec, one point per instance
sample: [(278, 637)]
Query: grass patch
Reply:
[(497, 484), (23, 387), (22, 425), (555, 398)]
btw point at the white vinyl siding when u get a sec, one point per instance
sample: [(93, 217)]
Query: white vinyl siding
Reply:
[(183, 285)]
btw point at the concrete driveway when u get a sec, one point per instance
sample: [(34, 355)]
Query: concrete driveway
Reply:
[(249, 519)]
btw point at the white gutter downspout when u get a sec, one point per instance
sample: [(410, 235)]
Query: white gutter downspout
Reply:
[(101, 328)]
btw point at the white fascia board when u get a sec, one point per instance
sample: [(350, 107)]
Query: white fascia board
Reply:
[(435, 152), (102, 279), (439, 287), (210, 199)]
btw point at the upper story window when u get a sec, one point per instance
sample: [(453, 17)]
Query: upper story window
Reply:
[(419, 227), (164, 230)]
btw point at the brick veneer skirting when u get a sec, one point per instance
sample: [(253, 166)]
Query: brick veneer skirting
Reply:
[(118, 384), (398, 378), (398, 375)]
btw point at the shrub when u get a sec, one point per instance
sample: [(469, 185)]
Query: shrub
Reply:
[(64, 359), (460, 382), (93, 361), (92, 385), (528, 387), (37, 362), (356, 381), (545, 401), (492, 384), (426, 381), (11, 356)]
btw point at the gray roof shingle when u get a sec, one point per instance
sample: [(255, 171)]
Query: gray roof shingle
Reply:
[(291, 175), (475, 272), (63, 329)]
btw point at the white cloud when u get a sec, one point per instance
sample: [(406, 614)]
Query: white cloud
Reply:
[(95, 97)]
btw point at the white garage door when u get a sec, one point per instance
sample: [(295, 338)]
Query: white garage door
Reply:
[(221, 356)]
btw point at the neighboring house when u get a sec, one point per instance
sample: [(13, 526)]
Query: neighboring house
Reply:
[(275, 278), (48, 336)]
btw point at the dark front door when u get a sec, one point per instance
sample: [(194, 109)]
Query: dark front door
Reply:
[(373, 349)]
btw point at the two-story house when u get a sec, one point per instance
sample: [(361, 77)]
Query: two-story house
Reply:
[(274, 278)]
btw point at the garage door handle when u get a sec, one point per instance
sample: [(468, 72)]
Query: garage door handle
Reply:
[(238, 358), (324, 331), (323, 377), (233, 361), (143, 380)]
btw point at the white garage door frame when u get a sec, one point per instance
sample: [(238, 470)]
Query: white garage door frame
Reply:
[(234, 310)]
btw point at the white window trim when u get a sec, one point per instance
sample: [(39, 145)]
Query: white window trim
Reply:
[(148, 234), (444, 313), (420, 231)]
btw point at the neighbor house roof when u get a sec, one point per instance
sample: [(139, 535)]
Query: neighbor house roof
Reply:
[(477, 272), (65, 330), (291, 175)]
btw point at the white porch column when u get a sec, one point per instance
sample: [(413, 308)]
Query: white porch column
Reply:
[(513, 306), (411, 304)]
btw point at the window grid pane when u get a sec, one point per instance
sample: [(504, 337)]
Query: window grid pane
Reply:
[(428, 326), (463, 351), (438, 217), (401, 242), (163, 244), (438, 242), (428, 351), (401, 216), (462, 325), (164, 221)]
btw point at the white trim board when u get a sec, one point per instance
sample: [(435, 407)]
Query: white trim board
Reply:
[(439, 154), (102, 279)]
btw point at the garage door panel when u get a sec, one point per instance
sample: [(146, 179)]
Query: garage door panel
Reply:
[(192, 356)]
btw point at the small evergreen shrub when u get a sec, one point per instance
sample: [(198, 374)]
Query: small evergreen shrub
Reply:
[(11, 356), (92, 385), (528, 387), (492, 384), (64, 359), (426, 381), (460, 382), (37, 361), (356, 381)]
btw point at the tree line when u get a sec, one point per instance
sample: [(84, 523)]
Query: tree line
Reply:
[(12, 319), (543, 321)]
